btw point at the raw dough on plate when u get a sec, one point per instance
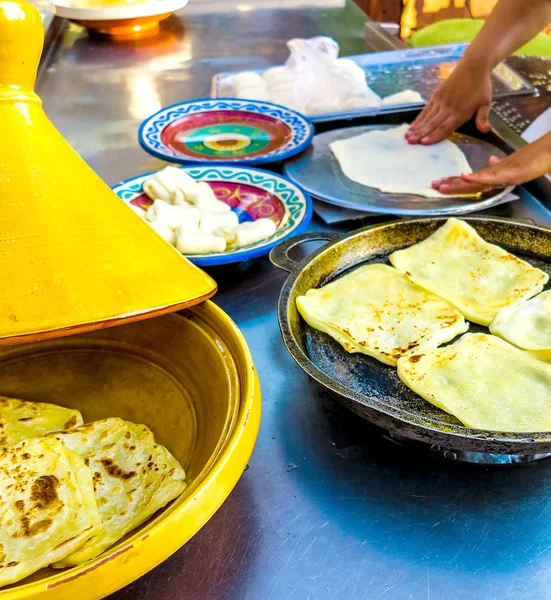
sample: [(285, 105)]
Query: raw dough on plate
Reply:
[(384, 160)]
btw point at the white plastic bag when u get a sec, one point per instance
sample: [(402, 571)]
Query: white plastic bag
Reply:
[(323, 84)]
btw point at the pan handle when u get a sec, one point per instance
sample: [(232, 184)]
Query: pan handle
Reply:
[(279, 255)]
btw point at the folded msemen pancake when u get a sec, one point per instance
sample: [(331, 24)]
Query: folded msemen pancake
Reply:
[(485, 382), (376, 311), (477, 277), (133, 478), (21, 420), (527, 325), (47, 506)]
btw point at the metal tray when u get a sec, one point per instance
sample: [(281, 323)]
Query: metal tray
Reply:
[(418, 69), (317, 171)]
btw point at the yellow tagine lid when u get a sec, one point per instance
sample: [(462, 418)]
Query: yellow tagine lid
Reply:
[(73, 256)]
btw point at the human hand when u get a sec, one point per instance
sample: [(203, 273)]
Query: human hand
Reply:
[(466, 92), (531, 161)]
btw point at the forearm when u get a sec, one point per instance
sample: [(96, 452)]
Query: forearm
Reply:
[(530, 162), (511, 24)]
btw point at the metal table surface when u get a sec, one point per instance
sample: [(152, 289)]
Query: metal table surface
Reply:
[(327, 508)]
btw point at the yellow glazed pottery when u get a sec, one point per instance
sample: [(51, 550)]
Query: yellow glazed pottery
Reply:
[(203, 404), (74, 257)]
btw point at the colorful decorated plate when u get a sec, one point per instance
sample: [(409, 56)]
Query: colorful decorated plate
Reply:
[(251, 193), (225, 130)]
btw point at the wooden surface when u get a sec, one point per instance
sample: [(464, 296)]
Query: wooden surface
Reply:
[(424, 12), (382, 11)]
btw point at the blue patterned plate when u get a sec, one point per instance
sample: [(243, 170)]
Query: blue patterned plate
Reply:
[(225, 130), (251, 193)]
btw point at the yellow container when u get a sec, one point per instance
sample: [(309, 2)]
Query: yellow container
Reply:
[(68, 269), (73, 256), (188, 376)]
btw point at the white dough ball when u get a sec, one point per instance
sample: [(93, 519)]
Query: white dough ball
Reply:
[(164, 231), (319, 106), (210, 221), (290, 103), (200, 243), (139, 211), (254, 231), (286, 97), (405, 97), (360, 101), (278, 75), (248, 79), (353, 70), (252, 93), (281, 87)]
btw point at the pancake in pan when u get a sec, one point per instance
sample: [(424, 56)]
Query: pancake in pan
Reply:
[(527, 325), (485, 382), (479, 278), (376, 311)]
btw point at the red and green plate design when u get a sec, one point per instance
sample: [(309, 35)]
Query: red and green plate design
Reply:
[(241, 131)]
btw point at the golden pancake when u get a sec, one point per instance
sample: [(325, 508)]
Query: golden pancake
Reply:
[(479, 278), (133, 477), (527, 325), (47, 506), (376, 311), (485, 382), (21, 420)]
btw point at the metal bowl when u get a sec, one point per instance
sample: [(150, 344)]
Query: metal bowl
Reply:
[(188, 376)]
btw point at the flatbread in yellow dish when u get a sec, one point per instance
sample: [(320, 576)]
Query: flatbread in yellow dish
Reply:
[(485, 382), (47, 506), (376, 311), (527, 325), (477, 277), (133, 478), (21, 420)]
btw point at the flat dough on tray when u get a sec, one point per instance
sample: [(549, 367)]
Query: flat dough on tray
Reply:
[(479, 278), (376, 311), (526, 325), (384, 160), (485, 382)]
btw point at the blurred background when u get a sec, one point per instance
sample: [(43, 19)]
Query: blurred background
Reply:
[(412, 15)]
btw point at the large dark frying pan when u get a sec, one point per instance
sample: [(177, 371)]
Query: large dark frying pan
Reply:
[(368, 387)]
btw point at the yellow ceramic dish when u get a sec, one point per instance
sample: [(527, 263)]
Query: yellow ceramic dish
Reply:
[(74, 258), (204, 405)]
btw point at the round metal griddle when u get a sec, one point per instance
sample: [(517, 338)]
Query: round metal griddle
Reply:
[(367, 386), (318, 171)]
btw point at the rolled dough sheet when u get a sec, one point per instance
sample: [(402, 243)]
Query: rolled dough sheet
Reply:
[(383, 159), (405, 97)]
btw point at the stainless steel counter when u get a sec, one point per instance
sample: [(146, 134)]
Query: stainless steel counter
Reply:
[(327, 508)]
